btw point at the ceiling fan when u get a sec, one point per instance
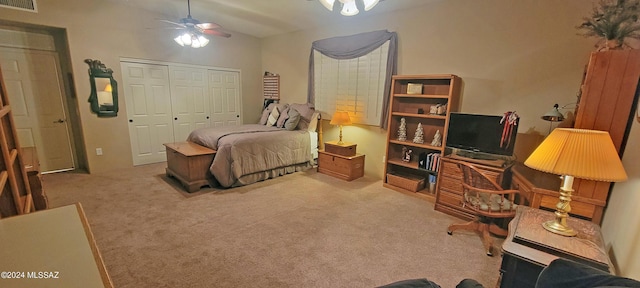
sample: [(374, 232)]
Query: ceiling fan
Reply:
[(193, 31)]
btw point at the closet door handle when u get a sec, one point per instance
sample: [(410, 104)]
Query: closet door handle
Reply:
[(176, 118)]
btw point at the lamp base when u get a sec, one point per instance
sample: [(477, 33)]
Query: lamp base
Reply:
[(556, 227)]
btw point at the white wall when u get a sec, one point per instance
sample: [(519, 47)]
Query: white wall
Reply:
[(621, 223)]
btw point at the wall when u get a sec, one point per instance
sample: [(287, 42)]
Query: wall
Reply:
[(621, 223), (108, 30), (523, 57)]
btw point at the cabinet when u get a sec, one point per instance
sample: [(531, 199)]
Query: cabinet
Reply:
[(189, 163), (340, 166), (449, 193), (540, 190), (609, 90), (529, 247), (270, 89), (418, 99)]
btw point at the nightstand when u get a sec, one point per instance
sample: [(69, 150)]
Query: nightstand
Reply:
[(339, 166), (529, 247)]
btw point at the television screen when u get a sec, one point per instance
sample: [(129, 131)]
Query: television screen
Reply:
[(481, 133)]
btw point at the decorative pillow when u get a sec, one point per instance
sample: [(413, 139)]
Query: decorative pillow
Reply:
[(306, 113), (284, 115), (292, 121), (265, 114), (273, 117), (267, 111)]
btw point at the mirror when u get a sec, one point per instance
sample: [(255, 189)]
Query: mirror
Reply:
[(104, 89)]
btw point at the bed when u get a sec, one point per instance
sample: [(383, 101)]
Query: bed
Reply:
[(254, 152)]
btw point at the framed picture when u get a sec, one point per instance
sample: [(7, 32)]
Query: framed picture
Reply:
[(414, 88)]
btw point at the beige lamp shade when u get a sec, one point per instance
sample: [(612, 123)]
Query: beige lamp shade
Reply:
[(581, 153), (340, 118)]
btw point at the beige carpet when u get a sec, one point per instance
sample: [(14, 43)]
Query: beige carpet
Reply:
[(301, 230)]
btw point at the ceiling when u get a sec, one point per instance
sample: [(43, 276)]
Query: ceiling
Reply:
[(263, 18)]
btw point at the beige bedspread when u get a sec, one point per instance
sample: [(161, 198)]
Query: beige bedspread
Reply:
[(250, 153)]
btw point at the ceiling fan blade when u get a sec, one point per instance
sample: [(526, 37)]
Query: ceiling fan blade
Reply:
[(216, 33), (206, 26), (174, 23)]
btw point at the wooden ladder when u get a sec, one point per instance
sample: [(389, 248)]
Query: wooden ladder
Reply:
[(14, 184)]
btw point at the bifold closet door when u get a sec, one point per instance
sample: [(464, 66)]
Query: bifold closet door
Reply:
[(189, 101), (148, 98), (224, 98)]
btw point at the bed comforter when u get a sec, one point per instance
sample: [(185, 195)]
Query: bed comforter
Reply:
[(250, 153)]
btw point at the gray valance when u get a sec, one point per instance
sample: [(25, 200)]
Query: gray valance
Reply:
[(354, 46)]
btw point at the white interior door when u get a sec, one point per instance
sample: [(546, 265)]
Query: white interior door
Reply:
[(33, 79), (189, 103), (224, 95), (147, 96)]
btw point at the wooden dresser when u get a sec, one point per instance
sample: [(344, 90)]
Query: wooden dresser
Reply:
[(529, 247)]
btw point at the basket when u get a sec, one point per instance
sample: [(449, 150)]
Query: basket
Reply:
[(407, 182)]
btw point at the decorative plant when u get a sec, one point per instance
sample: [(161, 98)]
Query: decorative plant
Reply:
[(613, 21)]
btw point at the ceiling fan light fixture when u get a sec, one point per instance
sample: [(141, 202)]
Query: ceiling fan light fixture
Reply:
[(368, 4), (178, 40), (328, 4), (349, 8)]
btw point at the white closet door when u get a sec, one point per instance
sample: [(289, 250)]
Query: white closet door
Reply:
[(224, 95), (147, 96), (189, 100)]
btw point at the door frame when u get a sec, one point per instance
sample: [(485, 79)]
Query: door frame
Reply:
[(66, 81)]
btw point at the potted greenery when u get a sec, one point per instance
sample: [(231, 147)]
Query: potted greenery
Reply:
[(613, 22)]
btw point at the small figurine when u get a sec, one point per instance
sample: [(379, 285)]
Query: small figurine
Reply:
[(419, 137), (437, 139), (406, 154), (402, 131)]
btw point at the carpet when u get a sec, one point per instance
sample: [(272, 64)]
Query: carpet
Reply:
[(304, 229)]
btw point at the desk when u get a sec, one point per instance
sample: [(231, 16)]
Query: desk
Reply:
[(529, 247), (541, 190), (56, 242)]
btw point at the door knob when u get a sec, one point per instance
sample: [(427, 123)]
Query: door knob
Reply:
[(59, 121)]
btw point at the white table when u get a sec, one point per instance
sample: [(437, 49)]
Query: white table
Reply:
[(50, 248)]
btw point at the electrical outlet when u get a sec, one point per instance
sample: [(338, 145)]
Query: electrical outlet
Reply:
[(98, 151), (384, 159)]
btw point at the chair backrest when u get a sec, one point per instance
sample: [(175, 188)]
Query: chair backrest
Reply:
[(484, 196)]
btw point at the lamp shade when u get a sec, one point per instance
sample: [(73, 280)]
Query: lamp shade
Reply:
[(553, 115), (581, 153), (340, 118)]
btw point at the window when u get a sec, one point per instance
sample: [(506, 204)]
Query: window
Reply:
[(352, 85)]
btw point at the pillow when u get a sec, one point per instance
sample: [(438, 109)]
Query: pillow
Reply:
[(265, 114), (273, 117), (284, 115), (267, 111), (306, 113), (292, 121)]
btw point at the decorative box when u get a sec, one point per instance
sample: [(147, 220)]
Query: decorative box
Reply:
[(345, 149)]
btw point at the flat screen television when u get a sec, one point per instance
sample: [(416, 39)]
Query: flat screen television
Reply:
[(481, 133)]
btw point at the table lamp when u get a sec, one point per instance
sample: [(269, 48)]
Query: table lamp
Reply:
[(340, 118), (579, 153)]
